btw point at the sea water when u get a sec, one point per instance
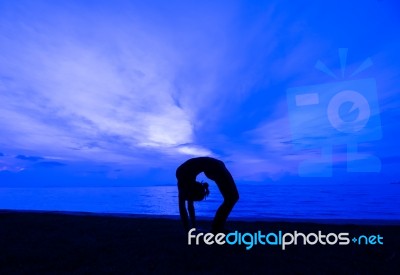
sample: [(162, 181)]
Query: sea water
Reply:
[(371, 202)]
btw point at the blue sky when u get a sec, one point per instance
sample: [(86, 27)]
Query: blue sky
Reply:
[(121, 92)]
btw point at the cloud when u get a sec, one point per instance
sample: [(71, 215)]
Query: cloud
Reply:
[(129, 85), (67, 96), (29, 158), (122, 93), (19, 163), (194, 150), (49, 164)]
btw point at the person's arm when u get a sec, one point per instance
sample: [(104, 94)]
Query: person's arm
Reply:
[(192, 213), (183, 212)]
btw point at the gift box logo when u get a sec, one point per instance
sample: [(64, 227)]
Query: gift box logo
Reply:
[(339, 113)]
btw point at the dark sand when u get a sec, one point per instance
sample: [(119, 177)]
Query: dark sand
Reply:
[(55, 243)]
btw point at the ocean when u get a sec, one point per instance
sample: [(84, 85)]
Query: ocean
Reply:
[(322, 202)]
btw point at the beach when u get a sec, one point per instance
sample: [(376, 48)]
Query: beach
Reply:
[(82, 243)]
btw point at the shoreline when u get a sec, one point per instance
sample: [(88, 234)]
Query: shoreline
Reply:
[(234, 219)]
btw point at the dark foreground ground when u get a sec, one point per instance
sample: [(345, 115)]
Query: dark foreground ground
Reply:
[(50, 243)]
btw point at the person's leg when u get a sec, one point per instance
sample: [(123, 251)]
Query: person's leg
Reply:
[(222, 215), (229, 192)]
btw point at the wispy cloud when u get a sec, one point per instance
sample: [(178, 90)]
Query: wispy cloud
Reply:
[(114, 96), (128, 85), (29, 158)]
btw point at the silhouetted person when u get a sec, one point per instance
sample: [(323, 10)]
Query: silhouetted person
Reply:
[(191, 190)]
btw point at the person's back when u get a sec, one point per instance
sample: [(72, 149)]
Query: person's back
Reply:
[(215, 170), (191, 168)]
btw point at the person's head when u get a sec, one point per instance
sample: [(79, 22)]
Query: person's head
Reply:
[(197, 191)]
